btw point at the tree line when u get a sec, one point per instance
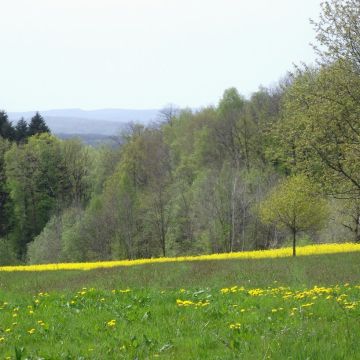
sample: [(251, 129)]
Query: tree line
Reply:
[(22, 130), (246, 174)]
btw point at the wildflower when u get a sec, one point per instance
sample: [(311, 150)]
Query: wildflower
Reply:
[(125, 291), (307, 305), (256, 292), (111, 323), (31, 331), (235, 326)]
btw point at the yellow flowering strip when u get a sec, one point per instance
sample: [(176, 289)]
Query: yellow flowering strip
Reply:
[(258, 254)]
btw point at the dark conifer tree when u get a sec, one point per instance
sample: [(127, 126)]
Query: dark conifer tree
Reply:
[(37, 125), (6, 129), (21, 130)]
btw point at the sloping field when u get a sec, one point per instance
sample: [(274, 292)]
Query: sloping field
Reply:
[(269, 308)]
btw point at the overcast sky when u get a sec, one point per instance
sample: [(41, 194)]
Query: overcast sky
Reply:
[(141, 54)]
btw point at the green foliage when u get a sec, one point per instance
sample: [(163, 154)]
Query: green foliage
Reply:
[(33, 181), (294, 205), (7, 253), (320, 129), (44, 176), (337, 32), (5, 202), (52, 245)]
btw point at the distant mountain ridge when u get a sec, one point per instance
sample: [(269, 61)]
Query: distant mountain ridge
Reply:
[(78, 121)]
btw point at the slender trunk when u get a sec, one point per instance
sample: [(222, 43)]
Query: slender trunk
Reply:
[(162, 230), (243, 221), (357, 227), (294, 242), (233, 204)]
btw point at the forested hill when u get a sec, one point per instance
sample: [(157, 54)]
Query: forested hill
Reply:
[(245, 174)]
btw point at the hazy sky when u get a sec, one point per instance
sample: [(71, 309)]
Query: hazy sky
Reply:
[(146, 53)]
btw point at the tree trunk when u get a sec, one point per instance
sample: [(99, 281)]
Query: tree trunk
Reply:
[(233, 205), (294, 242)]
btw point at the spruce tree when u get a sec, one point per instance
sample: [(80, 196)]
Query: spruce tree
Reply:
[(21, 130), (6, 129), (37, 125)]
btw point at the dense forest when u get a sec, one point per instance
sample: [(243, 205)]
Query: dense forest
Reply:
[(249, 173)]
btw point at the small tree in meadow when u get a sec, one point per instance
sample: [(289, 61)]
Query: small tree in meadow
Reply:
[(294, 205)]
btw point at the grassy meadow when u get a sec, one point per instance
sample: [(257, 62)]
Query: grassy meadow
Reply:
[(306, 307)]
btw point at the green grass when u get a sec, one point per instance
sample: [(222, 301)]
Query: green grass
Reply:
[(149, 324)]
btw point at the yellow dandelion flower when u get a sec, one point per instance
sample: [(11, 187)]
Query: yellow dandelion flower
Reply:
[(235, 326), (111, 323), (307, 305)]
